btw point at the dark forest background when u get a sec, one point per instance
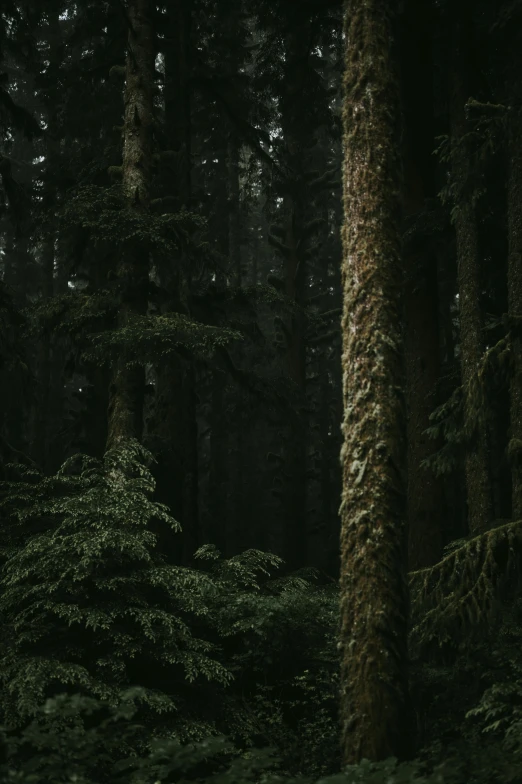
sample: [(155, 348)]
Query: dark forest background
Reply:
[(170, 433)]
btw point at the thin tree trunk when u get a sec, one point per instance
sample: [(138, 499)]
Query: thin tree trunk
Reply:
[(175, 380), (126, 394), (514, 209), (375, 709), (42, 423), (422, 353), (46, 425), (478, 482), (234, 222), (425, 490), (295, 446)]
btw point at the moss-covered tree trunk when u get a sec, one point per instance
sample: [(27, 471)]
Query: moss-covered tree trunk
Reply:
[(126, 392), (514, 208), (478, 481), (374, 708)]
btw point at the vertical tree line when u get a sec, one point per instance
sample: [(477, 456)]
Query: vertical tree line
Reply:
[(261, 283)]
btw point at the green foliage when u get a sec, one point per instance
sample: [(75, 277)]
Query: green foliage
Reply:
[(469, 154), (279, 640), (82, 739), (143, 339), (94, 746), (456, 421), (146, 339), (499, 711), (89, 604), (469, 710), (71, 313), (447, 424), (458, 598), (88, 601), (103, 212)]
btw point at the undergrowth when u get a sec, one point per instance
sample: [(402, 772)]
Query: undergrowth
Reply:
[(116, 665)]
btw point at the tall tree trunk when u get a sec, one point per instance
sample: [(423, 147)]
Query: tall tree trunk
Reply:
[(126, 393), (425, 491), (514, 208), (295, 446), (42, 424), (46, 425), (478, 482), (454, 484), (175, 379), (13, 388), (425, 510), (234, 222), (375, 709)]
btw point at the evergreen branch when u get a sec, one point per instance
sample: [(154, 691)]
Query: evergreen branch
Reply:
[(458, 596)]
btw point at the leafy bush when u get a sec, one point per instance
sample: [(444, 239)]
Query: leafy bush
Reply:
[(90, 606), (279, 639), (88, 749), (87, 602)]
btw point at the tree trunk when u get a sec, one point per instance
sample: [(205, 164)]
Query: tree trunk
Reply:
[(234, 222), (425, 491), (46, 425), (375, 709), (175, 420), (514, 209), (126, 393), (294, 445), (478, 482)]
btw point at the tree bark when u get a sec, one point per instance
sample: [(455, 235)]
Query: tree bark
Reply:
[(422, 353), (175, 420), (425, 491), (514, 274), (234, 221), (126, 392), (375, 710), (478, 481), (296, 272)]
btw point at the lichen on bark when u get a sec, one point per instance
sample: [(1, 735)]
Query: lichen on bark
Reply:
[(374, 598)]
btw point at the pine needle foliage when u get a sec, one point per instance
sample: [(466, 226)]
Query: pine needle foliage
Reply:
[(72, 313), (87, 602), (447, 421), (458, 598), (457, 427), (487, 124), (104, 213), (144, 339), (148, 339), (498, 713)]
